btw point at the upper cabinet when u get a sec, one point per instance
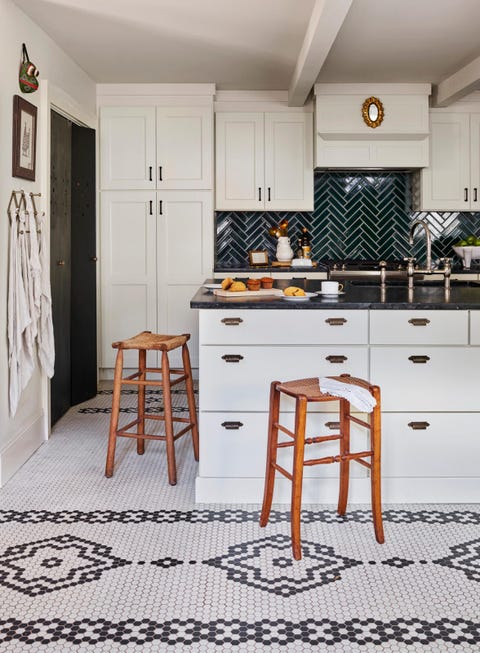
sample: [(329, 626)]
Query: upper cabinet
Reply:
[(452, 181), (264, 161), (156, 147), (371, 125)]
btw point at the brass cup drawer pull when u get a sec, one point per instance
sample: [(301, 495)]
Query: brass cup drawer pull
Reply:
[(418, 426), (419, 359), (232, 321), (419, 321), (333, 426), (336, 359), (232, 358), (336, 321), (232, 426)]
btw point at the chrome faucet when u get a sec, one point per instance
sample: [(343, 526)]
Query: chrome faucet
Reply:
[(428, 237)]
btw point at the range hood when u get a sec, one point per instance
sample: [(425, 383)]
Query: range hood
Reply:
[(371, 126)]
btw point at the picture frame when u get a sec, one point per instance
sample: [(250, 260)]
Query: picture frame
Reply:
[(24, 140), (258, 257)]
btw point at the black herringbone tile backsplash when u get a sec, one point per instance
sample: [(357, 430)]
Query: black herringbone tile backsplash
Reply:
[(361, 215)]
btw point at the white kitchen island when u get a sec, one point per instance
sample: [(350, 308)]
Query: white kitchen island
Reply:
[(422, 350)]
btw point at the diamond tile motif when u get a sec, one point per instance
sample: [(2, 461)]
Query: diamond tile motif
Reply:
[(362, 215), (465, 557), (55, 563), (268, 565)]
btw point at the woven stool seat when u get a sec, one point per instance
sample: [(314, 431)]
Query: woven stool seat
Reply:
[(143, 342), (152, 341), (306, 391)]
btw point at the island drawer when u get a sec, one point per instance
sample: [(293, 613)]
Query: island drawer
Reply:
[(430, 444), (236, 444), (272, 327), (239, 377), (475, 327), (426, 378), (419, 327)]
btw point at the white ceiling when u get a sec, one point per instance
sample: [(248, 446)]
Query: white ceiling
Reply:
[(255, 44)]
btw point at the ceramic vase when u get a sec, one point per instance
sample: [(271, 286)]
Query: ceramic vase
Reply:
[(284, 251)]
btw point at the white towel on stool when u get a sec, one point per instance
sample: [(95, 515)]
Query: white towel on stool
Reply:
[(359, 397)]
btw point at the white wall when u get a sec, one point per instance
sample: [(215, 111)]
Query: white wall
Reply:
[(66, 85)]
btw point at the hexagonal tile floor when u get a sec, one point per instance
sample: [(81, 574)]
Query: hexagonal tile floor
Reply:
[(131, 563)]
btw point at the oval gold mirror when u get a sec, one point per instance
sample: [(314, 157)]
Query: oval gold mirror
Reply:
[(372, 112)]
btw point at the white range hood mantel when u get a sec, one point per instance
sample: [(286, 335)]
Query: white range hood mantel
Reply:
[(344, 140)]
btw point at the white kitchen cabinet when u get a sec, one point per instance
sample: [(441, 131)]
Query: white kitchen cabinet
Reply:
[(427, 371), (452, 180), (184, 148), (156, 217), (156, 249), (128, 269), (156, 147), (127, 148), (264, 161)]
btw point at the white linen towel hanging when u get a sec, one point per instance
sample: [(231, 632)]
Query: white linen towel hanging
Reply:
[(20, 359), (359, 397), (45, 337)]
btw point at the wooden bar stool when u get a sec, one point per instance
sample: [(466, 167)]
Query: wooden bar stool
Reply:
[(147, 341), (306, 391)]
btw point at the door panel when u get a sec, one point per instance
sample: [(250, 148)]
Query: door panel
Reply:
[(84, 277), (60, 261)]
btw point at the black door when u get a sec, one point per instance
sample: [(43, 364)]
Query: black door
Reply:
[(60, 260), (73, 264), (84, 267)]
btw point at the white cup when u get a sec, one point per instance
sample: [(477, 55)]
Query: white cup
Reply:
[(331, 287)]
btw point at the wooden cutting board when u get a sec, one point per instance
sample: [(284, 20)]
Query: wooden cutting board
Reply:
[(263, 292)]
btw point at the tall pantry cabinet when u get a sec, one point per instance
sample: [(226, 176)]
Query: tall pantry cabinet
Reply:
[(156, 217)]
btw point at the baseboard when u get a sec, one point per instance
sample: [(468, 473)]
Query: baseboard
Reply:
[(19, 450), (394, 490)]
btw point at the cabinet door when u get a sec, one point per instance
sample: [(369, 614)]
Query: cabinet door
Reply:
[(288, 162), (184, 147), (475, 161), (239, 161), (127, 147), (446, 183), (185, 258), (128, 269)]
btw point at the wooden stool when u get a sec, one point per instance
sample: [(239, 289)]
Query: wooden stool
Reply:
[(306, 391), (147, 341)]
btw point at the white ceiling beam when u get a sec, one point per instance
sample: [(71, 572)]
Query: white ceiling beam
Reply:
[(325, 22), (453, 88)]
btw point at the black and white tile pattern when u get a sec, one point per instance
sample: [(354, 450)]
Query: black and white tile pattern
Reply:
[(133, 564)]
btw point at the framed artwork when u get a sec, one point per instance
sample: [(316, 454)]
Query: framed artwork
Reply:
[(24, 140), (258, 257)]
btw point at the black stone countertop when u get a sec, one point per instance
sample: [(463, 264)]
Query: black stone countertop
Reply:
[(357, 295)]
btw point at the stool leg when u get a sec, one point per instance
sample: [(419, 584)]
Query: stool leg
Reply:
[(169, 434), (344, 450), (274, 413), (190, 398), (142, 358), (298, 460), (375, 472), (112, 438)]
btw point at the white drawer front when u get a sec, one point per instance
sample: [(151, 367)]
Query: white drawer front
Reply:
[(283, 327), (419, 327), (475, 327), (241, 452), (448, 446), (448, 380), (245, 385)]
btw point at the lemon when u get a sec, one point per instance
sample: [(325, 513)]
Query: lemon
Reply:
[(471, 240)]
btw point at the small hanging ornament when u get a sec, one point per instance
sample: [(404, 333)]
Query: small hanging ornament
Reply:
[(27, 79)]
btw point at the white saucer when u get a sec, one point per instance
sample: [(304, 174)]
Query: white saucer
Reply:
[(330, 294), (212, 286), (301, 298)]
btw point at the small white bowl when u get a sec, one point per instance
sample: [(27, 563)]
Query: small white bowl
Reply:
[(467, 254)]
